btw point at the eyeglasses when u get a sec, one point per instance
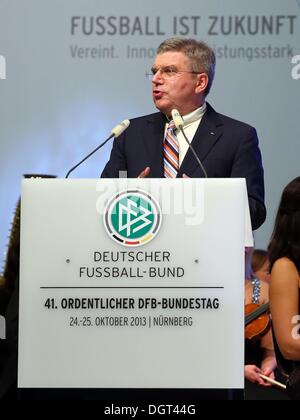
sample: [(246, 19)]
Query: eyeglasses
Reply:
[(167, 73)]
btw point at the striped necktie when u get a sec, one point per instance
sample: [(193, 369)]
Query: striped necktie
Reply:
[(171, 152)]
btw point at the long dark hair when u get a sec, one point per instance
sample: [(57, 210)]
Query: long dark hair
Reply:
[(285, 240)]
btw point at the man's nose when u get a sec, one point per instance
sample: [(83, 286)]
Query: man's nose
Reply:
[(157, 77)]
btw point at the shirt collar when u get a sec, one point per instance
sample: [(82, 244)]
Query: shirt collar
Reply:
[(195, 115)]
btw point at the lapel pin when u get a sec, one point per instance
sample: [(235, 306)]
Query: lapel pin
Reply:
[(212, 133)]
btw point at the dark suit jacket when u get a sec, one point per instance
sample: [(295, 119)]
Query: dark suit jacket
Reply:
[(226, 147)]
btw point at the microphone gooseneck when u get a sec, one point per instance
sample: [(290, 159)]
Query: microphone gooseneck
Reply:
[(115, 132), (178, 121), (118, 129)]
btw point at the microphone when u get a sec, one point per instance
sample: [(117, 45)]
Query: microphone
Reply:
[(178, 121), (115, 132)]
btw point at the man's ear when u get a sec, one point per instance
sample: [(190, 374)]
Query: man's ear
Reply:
[(202, 82)]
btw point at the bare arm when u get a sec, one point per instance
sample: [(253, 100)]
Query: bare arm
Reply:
[(284, 304)]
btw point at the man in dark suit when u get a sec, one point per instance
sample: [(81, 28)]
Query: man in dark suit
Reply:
[(182, 75)]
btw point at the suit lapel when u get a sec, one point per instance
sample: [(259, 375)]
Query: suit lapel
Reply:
[(153, 141), (207, 135)]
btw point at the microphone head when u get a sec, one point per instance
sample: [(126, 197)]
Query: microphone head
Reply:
[(177, 118), (118, 129)]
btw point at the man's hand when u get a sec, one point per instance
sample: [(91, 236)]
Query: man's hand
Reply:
[(144, 173)]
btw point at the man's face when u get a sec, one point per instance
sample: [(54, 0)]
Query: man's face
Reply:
[(180, 89)]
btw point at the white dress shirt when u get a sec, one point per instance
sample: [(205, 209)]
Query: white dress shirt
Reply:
[(191, 122)]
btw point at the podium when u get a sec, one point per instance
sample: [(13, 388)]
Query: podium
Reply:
[(133, 284)]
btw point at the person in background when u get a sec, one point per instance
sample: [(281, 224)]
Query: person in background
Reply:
[(284, 254), (9, 309), (4, 296), (259, 352), (261, 265)]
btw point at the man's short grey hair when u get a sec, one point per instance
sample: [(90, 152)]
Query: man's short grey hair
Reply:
[(201, 56)]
